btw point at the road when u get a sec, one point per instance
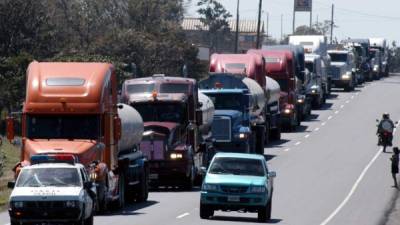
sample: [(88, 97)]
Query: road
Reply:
[(328, 172)]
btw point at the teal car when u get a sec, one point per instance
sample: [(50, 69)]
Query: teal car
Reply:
[(237, 182)]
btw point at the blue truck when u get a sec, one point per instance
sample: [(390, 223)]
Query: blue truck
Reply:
[(241, 109)]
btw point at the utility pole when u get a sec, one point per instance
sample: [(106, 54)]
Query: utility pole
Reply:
[(332, 22), (259, 25), (311, 16), (267, 24), (281, 27), (294, 19), (237, 28)]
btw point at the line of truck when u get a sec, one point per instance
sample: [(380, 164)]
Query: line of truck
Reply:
[(164, 130)]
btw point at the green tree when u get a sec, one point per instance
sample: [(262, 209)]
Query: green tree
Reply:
[(214, 17)]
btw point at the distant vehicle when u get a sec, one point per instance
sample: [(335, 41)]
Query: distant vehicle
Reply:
[(239, 182), (381, 45), (75, 111), (342, 69), (315, 89), (365, 66), (54, 189), (177, 127), (376, 63)]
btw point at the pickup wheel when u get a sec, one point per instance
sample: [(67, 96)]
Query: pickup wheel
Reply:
[(143, 190), (205, 211), (264, 212)]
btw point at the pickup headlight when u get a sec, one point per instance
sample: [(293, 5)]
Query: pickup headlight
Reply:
[(18, 205), (210, 187), (71, 204), (257, 189), (176, 156)]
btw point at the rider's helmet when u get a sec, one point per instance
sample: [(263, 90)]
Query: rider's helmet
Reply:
[(385, 115)]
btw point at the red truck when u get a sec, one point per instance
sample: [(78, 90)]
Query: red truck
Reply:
[(253, 66), (177, 123), (71, 108), (280, 66)]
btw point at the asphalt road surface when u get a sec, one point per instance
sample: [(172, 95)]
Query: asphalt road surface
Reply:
[(328, 172)]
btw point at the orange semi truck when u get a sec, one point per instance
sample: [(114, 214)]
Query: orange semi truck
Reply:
[(71, 108)]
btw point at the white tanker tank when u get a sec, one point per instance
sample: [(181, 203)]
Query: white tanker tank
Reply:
[(131, 127), (207, 108), (273, 91)]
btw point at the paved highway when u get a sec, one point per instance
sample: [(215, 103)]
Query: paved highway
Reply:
[(328, 172)]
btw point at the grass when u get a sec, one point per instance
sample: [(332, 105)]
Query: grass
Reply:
[(9, 156)]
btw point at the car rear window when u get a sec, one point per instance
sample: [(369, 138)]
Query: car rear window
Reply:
[(237, 166)]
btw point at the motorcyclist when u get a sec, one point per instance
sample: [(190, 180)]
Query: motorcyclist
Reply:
[(385, 125)]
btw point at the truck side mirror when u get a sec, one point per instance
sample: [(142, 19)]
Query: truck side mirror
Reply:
[(10, 129), (199, 117), (11, 184), (117, 128)]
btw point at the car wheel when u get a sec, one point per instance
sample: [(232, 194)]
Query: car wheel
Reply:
[(205, 211)]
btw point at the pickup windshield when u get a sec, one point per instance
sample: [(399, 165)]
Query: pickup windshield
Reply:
[(237, 166), (46, 177), (63, 127), (162, 112), (335, 57), (227, 101)]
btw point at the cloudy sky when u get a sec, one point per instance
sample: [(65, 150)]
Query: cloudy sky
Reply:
[(354, 18)]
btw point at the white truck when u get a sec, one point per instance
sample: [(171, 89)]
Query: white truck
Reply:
[(318, 45), (54, 189), (380, 44), (343, 69), (317, 76)]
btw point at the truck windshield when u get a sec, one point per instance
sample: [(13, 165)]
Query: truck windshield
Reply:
[(162, 112), (63, 127), (237, 166), (139, 88), (227, 101), (174, 88), (338, 57), (45, 177)]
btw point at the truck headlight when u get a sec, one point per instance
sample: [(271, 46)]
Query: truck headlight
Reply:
[(376, 68), (71, 204), (176, 156), (257, 189), (287, 111), (210, 187), (18, 205), (346, 76)]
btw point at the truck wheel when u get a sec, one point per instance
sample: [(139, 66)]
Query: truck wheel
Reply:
[(260, 139), (189, 181), (121, 191), (276, 134), (89, 221), (143, 190), (205, 211), (102, 204)]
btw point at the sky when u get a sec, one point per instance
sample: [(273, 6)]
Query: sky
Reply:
[(354, 18)]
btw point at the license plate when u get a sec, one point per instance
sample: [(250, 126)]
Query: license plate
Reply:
[(153, 176), (233, 199)]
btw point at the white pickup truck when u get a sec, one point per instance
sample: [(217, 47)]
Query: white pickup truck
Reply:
[(54, 189)]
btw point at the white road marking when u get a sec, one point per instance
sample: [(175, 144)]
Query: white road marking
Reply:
[(348, 101), (183, 215), (297, 143), (316, 129), (353, 189), (357, 93), (336, 112), (7, 224), (342, 106), (352, 96), (323, 124), (330, 117), (286, 150), (307, 136)]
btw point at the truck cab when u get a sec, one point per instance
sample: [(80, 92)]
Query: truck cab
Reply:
[(177, 127), (315, 89), (343, 69), (54, 189), (380, 44), (376, 63)]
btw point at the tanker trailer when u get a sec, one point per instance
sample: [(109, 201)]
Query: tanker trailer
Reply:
[(273, 114), (239, 102)]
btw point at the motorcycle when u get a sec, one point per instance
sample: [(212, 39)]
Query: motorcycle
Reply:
[(385, 136)]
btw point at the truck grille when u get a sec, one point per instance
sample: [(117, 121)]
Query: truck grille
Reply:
[(334, 72), (221, 129), (233, 189), (153, 150)]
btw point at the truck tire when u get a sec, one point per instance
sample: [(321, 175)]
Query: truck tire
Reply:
[(205, 211), (188, 183), (276, 134), (259, 139), (143, 189), (89, 221), (102, 204), (121, 191)]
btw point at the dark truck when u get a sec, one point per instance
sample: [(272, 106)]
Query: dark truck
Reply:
[(239, 110), (177, 127), (253, 67)]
